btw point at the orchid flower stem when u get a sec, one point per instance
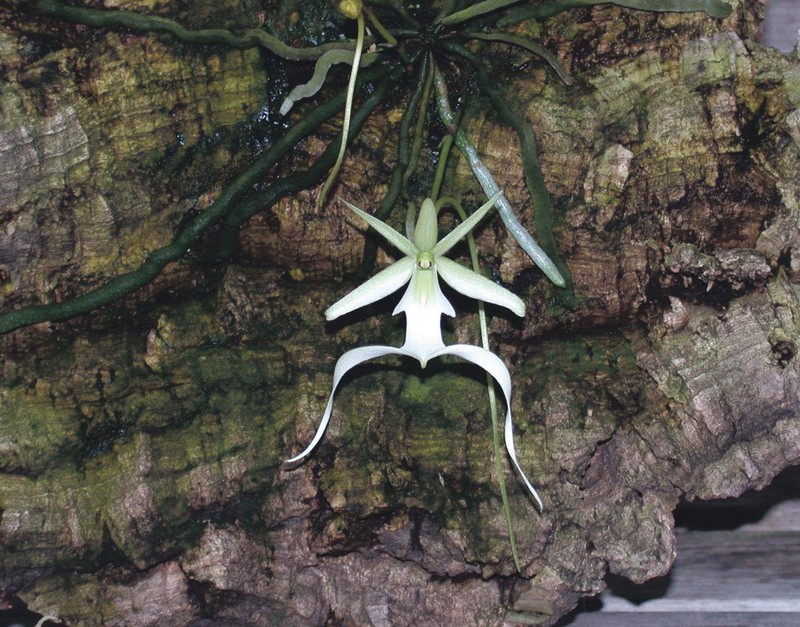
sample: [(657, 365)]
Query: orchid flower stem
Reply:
[(373, 19), (490, 187), (447, 143), (351, 87), (498, 459), (411, 219)]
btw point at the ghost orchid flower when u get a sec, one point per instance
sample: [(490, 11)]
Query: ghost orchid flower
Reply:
[(424, 303)]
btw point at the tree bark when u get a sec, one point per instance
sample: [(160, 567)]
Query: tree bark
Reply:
[(141, 446)]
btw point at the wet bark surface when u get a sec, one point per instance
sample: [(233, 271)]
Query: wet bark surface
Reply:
[(141, 447)]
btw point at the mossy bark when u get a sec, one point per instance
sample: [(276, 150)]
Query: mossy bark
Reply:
[(142, 478)]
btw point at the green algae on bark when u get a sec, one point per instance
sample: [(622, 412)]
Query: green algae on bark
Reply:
[(210, 437)]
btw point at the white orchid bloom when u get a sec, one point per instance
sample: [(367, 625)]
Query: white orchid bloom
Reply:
[(424, 303)]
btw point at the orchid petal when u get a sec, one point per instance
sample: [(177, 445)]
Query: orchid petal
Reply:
[(426, 232), (402, 244), (492, 364), (346, 362), (450, 240), (475, 286), (382, 284)]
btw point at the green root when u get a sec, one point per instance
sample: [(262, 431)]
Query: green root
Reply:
[(534, 179), (209, 36), (714, 8)]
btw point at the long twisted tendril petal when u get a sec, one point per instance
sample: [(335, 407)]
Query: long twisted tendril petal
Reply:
[(484, 328), (344, 364)]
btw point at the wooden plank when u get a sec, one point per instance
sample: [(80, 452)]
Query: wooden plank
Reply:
[(781, 23), (719, 578), (685, 619)]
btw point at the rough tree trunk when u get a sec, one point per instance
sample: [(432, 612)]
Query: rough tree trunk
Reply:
[(141, 475)]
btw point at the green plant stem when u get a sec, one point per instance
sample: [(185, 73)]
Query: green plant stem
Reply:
[(209, 36), (351, 87), (484, 327), (447, 144), (534, 179), (125, 284)]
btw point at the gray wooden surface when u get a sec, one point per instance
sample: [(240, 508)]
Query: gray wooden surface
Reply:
[(738, 564), (781, 23)]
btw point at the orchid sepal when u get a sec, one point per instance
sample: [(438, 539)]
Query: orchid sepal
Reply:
[(481, 357), (492, 364), (452, 238), (344, 364), (403, 244)]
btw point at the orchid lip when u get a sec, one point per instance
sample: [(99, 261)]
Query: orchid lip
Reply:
[(481, 357)]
